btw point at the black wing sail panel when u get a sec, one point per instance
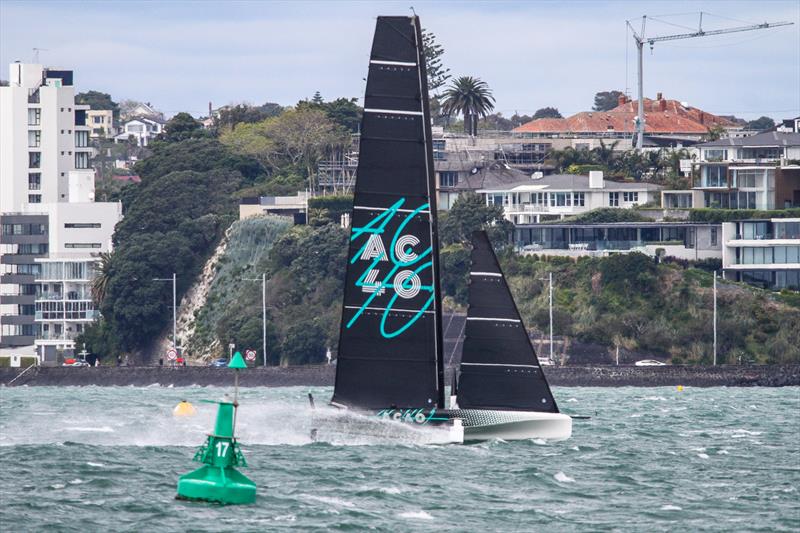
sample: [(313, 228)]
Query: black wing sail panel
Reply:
[(390, 339), (499, 367)]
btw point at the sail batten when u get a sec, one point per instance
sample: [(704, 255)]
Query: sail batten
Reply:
[(390, 334), (499, 368)]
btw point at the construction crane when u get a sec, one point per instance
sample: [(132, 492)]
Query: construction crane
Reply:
[(641, 39)]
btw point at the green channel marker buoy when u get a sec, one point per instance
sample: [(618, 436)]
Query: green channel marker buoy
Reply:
[(218, 480)]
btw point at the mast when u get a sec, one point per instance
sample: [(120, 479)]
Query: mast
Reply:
[(433, 201)]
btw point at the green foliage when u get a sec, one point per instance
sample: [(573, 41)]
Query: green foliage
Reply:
[(761, 123), (729, 215), (433, 51), (182, 127), (470, 97), (343, 112), (629, 300), (230, 116), (547, 112), (470, 213), (658, 166), (335, 205), (199, 155), (232, 312), (295, 141), (606, 100), (454, 262), (5, 362), (99, 340), (98, 100), (173, 225)]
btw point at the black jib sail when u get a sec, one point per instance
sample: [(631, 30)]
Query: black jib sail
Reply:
[(499, 367), (390, 343)]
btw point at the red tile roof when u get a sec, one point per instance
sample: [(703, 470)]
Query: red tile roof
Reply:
[(132, 178), (661, 116)]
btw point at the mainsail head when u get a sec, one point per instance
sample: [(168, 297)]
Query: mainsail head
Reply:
[(499, 368), (390, 343)]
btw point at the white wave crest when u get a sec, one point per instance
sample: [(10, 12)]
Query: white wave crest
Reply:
[(671, 508), (563, 478), (416, 515)]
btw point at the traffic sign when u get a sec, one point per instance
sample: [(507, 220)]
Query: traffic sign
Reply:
[(172, 354), (250, 355)]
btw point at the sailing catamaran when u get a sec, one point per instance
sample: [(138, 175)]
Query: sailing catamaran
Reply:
[(390, 359)]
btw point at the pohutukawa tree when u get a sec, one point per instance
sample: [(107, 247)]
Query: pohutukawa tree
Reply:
[(470, 97)]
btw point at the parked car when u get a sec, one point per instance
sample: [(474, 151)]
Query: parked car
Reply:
[(219, 363), (650, 362), (75, 362)]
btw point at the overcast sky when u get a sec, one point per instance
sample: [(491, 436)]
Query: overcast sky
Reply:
[(179, 55)]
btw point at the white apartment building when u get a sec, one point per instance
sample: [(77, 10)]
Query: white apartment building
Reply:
[(562, 195), (763, 252), (52, 230)]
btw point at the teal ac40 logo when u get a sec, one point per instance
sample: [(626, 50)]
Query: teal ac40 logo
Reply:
[(417, 416), (403, 278)]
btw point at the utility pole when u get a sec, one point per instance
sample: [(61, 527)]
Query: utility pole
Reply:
[(173, 279), (263, 280), (641, 39), (551, 318), (715, 318)]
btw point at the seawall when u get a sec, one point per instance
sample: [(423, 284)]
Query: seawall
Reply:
[(323, 375)]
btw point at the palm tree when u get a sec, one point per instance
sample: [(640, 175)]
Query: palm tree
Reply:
[(472, 98), (101, 277)]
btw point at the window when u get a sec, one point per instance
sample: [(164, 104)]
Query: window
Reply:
[(630, 197), (787, 254), (82, 245), (439, 149), (34, 181), (34, 116), (81, 139), (713, 236), (448, 179), (97, 119), (613, 199), (716, 176), (747, 178), (578, 199), (32, 249), (81, 159), (756, 256), (563, 199), (787, 230), (34, 159), (34, 138), (82, 225), (34, 198), (716, 155)]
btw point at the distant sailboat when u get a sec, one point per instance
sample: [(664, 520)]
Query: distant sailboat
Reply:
[(390, 359)]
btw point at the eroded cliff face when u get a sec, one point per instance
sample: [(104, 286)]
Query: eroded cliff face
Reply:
[(194, 299), (240, 257)]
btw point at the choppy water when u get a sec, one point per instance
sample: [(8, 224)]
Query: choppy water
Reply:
[(107, 459)]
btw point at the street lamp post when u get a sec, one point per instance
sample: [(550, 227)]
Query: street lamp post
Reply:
[(173, 279), (715, 318), (263, 280)]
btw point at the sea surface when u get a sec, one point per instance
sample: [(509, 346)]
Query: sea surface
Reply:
[(650, 459)]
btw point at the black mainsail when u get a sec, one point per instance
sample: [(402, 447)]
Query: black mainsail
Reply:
[(390, 342), (499, 368)]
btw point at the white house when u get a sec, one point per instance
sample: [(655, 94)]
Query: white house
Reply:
[(561, 195), (142, 129)]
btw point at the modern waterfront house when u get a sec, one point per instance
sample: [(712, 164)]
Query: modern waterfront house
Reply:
[(757, 172), (52, 229), (682, 240), (763, 252)]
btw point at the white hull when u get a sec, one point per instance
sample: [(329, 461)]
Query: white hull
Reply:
[(514, 425)]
